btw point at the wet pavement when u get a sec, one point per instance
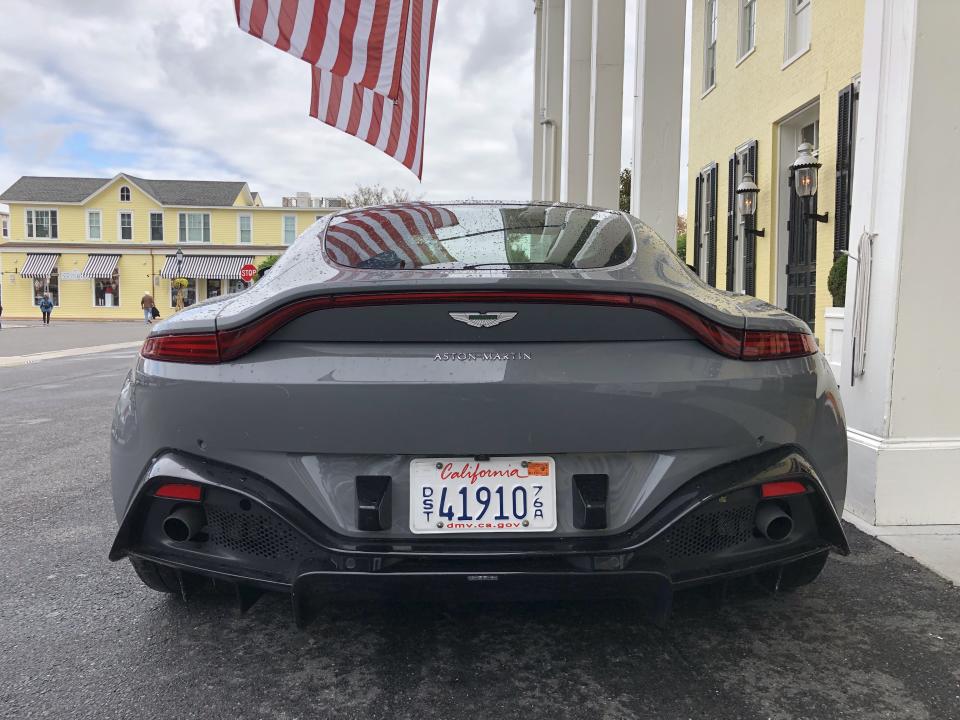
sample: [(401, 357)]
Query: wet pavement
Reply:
[(878, 636)]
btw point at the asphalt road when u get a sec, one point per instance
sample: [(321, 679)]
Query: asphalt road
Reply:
[(877, 636)]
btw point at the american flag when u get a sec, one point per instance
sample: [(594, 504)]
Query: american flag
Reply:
[(386, 236), (371, 63)]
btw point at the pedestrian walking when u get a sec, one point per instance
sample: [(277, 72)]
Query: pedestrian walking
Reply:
[(147, 305), (46, 307)]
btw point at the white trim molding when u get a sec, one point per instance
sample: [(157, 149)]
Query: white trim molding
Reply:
[(903, 480)]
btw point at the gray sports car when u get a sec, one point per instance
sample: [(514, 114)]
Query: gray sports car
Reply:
[(512, 399)]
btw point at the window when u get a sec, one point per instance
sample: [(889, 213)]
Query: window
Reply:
[(126, 226), (705, 225), (245, 228), (194, 227), (797, 36), (235, 286), (710, 45), (94, 225), (42, 224), (156, 227), (846, 151), (124, 194), (189, 293), (289, 229), (50, 285), (748, 28), (214, 287), (106, 291), (5, 229)]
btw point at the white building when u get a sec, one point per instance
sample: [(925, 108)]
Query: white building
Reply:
[(900, 362)]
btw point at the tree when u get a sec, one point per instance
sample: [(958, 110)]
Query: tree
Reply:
[(682, 237), (365, 195), (265, 265), (625, 180)]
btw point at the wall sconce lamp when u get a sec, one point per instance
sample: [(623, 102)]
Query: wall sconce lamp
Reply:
[(805, 169), (747, 192)]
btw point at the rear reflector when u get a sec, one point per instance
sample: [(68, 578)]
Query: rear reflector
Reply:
[(782, 488), (225, 345), (179, 491)]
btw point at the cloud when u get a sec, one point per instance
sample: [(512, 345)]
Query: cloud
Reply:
[(174, 89)]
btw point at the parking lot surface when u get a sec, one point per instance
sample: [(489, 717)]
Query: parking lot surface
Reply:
[(878, 636)]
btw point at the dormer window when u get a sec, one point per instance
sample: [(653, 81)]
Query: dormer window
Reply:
[(124, 194)]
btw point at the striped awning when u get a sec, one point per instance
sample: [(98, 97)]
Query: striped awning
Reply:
[(205, 266), (39, 265), (100, 267)]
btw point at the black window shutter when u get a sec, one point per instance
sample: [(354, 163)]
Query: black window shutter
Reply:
[(846, 138), (750, 241), (731, 220), (697, 222)]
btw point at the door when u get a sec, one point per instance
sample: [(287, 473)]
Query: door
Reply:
[(802, 244)]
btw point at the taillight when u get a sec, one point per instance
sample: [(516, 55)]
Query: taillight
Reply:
[(782, 488), (179, 491), (769, 345), (225, 345), (200, 348)]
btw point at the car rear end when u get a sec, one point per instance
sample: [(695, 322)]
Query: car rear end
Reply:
[(498, 431)]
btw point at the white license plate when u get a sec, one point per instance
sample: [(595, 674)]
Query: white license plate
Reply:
[(464, 495)]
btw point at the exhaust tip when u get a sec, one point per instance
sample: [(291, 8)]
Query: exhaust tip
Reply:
[(183, 523), (773, 522)]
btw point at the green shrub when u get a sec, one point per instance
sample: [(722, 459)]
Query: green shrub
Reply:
[(265, 265), (837, 280)]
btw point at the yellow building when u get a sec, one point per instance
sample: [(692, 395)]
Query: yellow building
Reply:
[(767, 76), (96, 245)]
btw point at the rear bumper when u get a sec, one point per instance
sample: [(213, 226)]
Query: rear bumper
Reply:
[(259, 537)]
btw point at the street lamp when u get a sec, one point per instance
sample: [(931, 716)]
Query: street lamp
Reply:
[(179, 257), (747, 192), (805, 169)]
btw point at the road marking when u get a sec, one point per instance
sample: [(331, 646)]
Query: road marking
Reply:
[(18, 360)]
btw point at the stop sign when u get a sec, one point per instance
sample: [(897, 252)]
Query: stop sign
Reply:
[(247, 272)]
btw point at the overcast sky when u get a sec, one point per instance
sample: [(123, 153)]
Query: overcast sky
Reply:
[(173, 89)]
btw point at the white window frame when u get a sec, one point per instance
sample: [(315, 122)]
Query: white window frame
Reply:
[(186, 239), (26, 224), (163, 227), (129, 193), (240, 239), (4, 227), (793, 9), (133, 233), (98, 213), (706, 201), (283, 230), (744, 52), (711, 22)]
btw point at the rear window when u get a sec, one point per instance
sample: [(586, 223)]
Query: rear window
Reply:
[(421, 236)]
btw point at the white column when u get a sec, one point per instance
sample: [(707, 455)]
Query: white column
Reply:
[(575, 124), (536, 191), (606, 103), (549, 115), (657, 109), (903, 412)]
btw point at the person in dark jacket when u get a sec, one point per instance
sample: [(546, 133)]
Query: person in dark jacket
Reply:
[(46, 307)]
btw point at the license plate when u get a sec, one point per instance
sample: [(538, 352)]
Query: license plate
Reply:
[(464, 495)]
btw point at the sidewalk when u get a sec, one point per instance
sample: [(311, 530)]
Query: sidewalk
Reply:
[(23, 337), (934, 546)]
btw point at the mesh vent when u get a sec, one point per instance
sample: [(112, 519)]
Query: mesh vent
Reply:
[(712, 532), (249, 533)]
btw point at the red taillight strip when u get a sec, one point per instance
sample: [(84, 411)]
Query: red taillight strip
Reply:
[(227, 345), (179, 491), (782, 488)]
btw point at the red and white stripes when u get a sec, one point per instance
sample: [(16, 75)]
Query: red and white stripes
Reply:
[(370, 59), (408, 231)]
